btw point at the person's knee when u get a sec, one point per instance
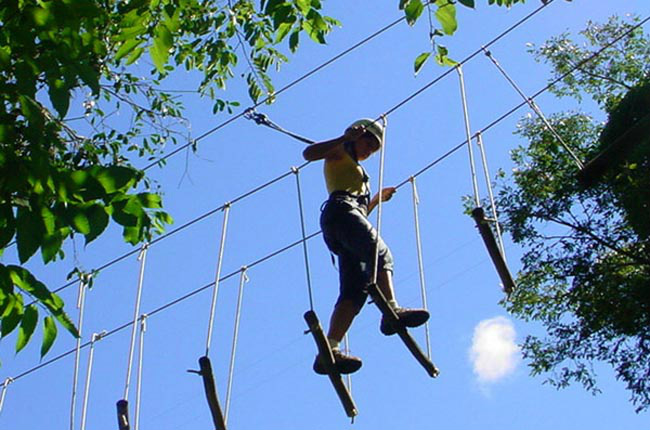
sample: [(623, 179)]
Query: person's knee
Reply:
[(352, 301)]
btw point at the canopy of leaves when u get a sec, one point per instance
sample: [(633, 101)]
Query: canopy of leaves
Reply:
[(66, 171), (62, 176), (586, 267)]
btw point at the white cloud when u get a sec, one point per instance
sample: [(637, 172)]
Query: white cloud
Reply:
[(494, 353)]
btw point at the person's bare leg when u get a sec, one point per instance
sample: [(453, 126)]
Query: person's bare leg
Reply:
[(385, 284), (342, 317)]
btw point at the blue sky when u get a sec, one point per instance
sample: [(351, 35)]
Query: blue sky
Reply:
[(484, 383)]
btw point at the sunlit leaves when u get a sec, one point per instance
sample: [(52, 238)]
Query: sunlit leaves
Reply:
[(413, 9), (586, 263), (49, 334), (420, 60), (27, 326), (467, 3), (442, 56), (446, 16), (160, 49)]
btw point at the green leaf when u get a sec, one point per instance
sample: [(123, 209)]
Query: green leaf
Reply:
[(283, 30), (150, 200), (162, 43), (413, 10), (446, 16), (123, 210), (442, 58), (134, 56), (420, 60), (78, 219), (116, 178), (12, 315), (28, 283), (304, 6), (59, 96), (127, 47), (132, 235), (90, 76), (294, 40), (51, 246), (7, 224), (29, 233), (467, 3), (49, 334), (97, 220), (27, 327)]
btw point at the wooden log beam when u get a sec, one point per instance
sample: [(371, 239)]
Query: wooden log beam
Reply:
[(388, 312), (327, 359)]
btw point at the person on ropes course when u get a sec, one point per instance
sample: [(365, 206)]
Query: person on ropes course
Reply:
[(348, 234)]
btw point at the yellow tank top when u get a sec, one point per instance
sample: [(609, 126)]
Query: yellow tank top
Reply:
[(345, 175)]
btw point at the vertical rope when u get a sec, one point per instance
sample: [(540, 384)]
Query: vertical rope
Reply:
[(138, 387), (81, 301), (5, 387), (242, 279), (296, 171), (535, 109), (91, 353), (384, 121), (142, 258), (463, 97), (486, 170), (215, 291), (418, 242), (348, 377)]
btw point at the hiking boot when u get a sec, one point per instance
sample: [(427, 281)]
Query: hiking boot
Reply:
[(408, 318), (344, 363)]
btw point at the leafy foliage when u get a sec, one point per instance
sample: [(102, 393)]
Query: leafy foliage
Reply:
[(56, 182), (586, 269), (66, 173), (443, 12)]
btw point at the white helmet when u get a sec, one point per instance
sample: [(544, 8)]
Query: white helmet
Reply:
[(373, 127)]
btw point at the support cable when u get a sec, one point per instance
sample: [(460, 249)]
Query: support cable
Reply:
[(138, 387), (280, 91), (81, 301), (424, 169), (242, 280), (531, 102), (215, 292), (418, 242), (91, 353), (468, 133), (188, 224), (387, 113), (5, 387), (142, 258), (304, 241), (262, 119), (493, 206), (382, 151)]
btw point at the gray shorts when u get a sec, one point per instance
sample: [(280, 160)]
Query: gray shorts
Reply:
[(349, 235)]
